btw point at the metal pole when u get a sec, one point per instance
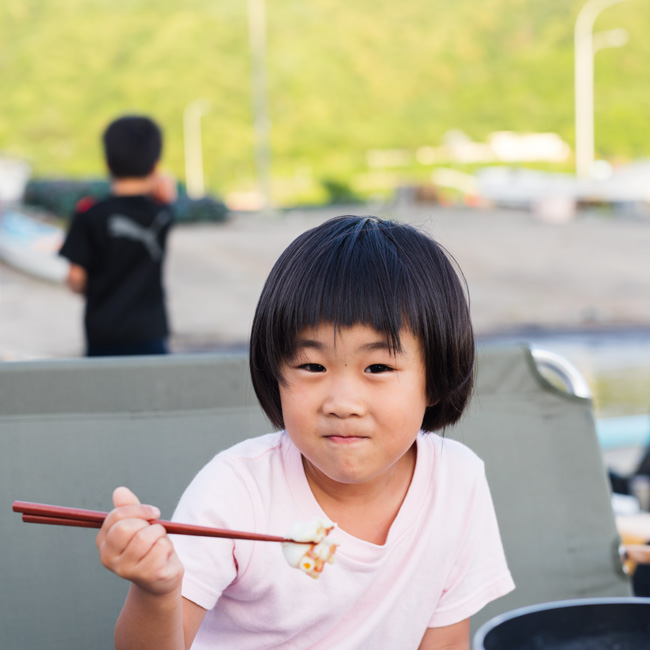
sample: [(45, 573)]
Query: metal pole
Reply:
[(194, 180), (610, 38), (261, 122), (584, 84)]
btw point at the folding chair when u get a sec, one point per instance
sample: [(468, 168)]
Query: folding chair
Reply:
[(70, 431)]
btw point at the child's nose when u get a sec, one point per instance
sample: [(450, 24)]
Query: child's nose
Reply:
[(344, 400)]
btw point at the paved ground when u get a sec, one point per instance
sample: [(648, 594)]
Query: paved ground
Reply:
[(591, 272)]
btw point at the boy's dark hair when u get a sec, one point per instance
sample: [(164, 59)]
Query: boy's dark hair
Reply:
[(362, 270), (132, 146)]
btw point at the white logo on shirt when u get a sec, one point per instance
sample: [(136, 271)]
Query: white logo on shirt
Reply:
[(121, 226)]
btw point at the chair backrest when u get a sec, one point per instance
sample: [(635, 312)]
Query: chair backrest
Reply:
[(548, 483), (70, 431)]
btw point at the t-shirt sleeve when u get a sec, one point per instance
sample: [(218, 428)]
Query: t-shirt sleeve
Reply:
[(479, 573), (76, 246), (218, 498)]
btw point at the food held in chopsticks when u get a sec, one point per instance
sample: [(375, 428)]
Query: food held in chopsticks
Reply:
[(321, 547), (307, 548)]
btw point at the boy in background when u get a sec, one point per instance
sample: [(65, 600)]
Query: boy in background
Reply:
[(116, 246)]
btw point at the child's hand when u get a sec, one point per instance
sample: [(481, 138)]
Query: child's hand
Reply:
[(164, 188), (134, 549)]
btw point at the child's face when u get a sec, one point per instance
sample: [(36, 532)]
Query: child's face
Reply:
[(350, 406)]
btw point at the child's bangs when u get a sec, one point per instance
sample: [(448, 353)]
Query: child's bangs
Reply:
[(357, 280)]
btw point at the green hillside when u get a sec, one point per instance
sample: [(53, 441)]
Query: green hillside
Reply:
[(344, 77)]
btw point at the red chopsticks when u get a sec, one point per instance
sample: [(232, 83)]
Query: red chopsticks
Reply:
[(39, 513)]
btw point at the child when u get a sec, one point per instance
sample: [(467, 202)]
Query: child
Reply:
[(116, 247), (361, 348)]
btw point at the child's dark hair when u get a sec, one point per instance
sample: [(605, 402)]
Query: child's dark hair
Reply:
[(132, 146), (362, 270)]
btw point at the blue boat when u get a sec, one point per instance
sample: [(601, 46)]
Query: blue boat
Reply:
[(32, 246)]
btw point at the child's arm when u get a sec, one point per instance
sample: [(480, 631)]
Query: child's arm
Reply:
[(144, 624), (450, 637), (154, 614), (77, 278), (164, 188)]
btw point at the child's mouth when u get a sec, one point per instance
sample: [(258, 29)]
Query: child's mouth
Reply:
[(345, 439)]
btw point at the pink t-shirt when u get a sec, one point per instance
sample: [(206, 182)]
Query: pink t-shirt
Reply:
[(442, 562)]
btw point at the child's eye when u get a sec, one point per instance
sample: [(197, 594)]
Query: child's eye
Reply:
[(376, 368), (312, 367)]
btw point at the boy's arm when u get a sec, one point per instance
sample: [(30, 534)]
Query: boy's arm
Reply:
[(164, 188), (77, 278), (450, 637), (154, 615)]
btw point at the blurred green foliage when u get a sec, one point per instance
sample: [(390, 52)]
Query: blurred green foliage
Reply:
[(339, 191), (343, 78), (622, 391)]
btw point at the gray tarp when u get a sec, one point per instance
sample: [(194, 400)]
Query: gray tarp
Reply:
[(71, 431)]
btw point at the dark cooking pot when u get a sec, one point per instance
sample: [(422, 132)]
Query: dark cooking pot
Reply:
[(589, 624)]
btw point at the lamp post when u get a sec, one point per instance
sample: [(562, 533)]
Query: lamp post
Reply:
[(194, 181), (261, 121), (586, 45)]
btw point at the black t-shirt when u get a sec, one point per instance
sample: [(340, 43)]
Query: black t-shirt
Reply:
[(121, 242)]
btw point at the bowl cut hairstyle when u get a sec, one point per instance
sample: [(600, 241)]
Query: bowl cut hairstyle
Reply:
[(384, 274), (132, 146)]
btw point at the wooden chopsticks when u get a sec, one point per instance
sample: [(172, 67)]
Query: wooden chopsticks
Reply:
[(40, 513)]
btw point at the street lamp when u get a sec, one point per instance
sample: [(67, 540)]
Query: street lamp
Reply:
[(261, 122), (610, 38), (586, 45), (194, 182)]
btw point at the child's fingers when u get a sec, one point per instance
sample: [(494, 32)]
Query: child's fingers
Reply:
[(151, 553), (164, 189), (135, 513), (142, 542), (640, 554), (122, 496), (126, 542), (134, 548), (148, 559), (116, 534), (127, 507)]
